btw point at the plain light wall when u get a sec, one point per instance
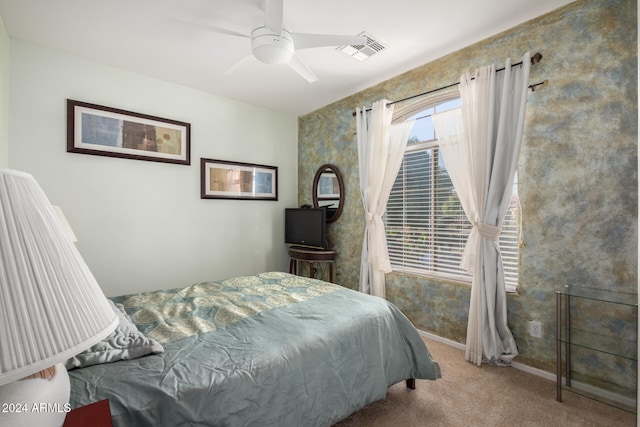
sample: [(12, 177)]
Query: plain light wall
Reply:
[(4, 96), (141, 225)]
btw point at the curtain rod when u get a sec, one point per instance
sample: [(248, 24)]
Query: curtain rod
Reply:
[(534, 60)]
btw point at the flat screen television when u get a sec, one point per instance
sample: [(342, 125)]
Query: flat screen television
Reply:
[(305, 227)]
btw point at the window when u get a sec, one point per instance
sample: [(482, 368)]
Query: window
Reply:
[(426, 226)]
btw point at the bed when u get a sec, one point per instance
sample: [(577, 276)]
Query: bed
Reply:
[(272, 349)]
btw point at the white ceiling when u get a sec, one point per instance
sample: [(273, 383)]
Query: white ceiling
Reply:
[(146, 36)]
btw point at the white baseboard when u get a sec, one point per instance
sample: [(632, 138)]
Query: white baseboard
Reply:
[(442, 340), (544, 374)]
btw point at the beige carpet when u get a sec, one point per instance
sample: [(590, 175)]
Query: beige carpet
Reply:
[(468, 395)]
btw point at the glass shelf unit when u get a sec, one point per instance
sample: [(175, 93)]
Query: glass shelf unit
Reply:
[(583, 337)]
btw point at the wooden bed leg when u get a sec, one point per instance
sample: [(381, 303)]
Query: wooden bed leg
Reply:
[(411, 383)]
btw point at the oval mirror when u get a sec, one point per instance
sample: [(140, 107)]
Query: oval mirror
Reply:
[(328, 191)]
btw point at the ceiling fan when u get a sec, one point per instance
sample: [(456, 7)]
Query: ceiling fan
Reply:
[(273, 44)]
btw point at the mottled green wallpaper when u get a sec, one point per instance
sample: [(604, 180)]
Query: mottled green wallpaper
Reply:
[(577, 169)]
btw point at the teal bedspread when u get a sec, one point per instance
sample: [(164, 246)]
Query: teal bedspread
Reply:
[(266, 350)]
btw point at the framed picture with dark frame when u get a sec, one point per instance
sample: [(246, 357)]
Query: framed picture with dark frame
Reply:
[(104, 131), (221, 179)]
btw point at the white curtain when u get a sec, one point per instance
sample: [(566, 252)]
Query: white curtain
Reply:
[(480, 143), (380, 151)]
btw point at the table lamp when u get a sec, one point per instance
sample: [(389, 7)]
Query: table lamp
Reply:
[(51, 306)]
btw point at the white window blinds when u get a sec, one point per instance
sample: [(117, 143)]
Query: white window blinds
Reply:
[(426, 227)]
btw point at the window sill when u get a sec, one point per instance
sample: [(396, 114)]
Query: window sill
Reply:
[(441, 278)]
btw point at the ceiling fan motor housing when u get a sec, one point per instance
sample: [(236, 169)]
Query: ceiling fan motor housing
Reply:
[(272, 48)]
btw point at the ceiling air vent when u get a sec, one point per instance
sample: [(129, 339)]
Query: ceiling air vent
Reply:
[(362, 52)]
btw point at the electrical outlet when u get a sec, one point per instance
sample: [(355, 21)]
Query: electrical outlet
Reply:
[(535, 329)]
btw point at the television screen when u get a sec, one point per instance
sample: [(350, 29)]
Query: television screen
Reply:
[(305, 227)]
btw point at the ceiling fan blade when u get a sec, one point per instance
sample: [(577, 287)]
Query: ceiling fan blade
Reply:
[(306, 41), (273, 15), (238, 64), (211, 28), (301, 68)]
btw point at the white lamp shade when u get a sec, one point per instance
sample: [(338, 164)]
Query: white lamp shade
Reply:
[(51, 306), (65, 223)]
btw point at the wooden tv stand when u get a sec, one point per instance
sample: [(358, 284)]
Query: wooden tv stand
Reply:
[(310, 256)]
